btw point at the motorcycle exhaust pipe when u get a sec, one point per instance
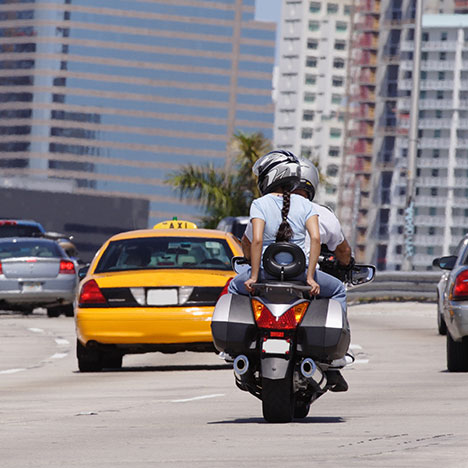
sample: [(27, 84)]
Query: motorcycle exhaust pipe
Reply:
[(241, 365), (313, 373)]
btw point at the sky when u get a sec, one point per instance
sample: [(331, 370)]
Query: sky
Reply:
[(268, 10)]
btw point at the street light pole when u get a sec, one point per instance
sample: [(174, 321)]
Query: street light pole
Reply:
[(413, 143)]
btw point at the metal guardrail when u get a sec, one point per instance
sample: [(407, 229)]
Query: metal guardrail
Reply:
[(398, 286)]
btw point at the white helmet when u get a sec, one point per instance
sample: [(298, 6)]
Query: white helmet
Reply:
[(277, 169), (309, 178)]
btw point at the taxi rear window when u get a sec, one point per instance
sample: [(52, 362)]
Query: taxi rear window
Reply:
[(178, 253)]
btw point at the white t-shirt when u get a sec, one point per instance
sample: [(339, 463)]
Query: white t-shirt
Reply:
[(329, 227)]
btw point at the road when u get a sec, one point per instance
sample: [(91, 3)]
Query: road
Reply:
[(402, 410)]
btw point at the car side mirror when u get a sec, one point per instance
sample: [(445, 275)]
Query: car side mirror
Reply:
[(361, 274), (239, 264), (82, 272), (446, 263)]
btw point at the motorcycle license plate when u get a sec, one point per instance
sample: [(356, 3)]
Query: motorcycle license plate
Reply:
[(273, 346)]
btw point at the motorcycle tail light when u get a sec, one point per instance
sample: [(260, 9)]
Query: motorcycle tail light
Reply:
[(225, 289), (1, 270), (460, 288), (288, 321), (91, 294), (67, 267)]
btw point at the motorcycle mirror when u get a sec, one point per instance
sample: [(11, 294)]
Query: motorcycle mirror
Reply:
[(362, 274), (239, 264)]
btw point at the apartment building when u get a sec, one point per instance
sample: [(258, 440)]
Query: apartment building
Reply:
[(311, 86), (108, 98)]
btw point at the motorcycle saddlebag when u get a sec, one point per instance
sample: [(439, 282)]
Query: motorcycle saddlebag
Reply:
[(233, 326), (324, 332)]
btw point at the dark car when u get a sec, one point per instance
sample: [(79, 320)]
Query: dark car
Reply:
[(234, 224), (20, 228)]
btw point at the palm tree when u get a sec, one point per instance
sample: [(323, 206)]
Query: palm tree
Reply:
[(220, 192)]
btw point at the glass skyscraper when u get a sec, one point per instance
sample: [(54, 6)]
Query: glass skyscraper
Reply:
[(110, 96)]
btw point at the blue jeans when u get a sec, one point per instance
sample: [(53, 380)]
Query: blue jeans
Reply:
[(330, 286)]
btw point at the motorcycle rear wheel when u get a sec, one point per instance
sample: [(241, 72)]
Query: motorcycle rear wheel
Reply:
[(277, 400)]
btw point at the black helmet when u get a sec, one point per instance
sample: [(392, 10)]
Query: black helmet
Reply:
[(309, 178), (277, 169)]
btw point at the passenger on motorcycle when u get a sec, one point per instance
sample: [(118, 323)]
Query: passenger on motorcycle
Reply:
[(331, 235), (280, 215)]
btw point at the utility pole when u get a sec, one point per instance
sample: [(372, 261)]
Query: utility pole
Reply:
[(413, 143)]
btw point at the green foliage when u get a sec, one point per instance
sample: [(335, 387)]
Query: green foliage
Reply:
[(223, 192)]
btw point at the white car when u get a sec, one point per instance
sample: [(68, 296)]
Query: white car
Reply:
[(453, 304)]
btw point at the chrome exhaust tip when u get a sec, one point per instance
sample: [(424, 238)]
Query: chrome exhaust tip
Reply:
[(313, 373), (241, 365)]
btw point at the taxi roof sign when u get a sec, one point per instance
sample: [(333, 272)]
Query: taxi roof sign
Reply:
[(175, 224)]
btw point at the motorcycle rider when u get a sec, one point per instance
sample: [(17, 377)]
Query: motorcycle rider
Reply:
[(331, 234)]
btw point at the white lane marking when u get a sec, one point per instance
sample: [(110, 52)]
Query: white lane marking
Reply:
[(58, 356), (36, 330), (355, 346), (62, 341), (361, 361), (11, 371), (215, 395)]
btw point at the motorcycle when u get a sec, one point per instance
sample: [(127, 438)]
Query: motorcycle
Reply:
[(287, 347)]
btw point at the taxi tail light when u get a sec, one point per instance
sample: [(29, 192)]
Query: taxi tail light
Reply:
[(91, 294), (288, 321), (225, 289), (67, 267), (460, 288)]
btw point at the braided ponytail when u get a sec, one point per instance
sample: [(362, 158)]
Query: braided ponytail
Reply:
[(285, 232)]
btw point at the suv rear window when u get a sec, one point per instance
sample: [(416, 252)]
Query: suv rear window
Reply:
[(19, 230), (166, 252)]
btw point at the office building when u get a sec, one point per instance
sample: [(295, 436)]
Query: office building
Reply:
[(311, 86), (113, 96)]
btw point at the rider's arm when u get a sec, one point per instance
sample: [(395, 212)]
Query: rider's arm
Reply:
[(343, 253), (246, 246), (258, 226), (312, 227)]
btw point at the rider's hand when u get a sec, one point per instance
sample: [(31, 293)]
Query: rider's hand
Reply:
[(314, 286), (248, 284)]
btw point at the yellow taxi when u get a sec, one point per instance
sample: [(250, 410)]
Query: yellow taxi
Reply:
[(151, 290)]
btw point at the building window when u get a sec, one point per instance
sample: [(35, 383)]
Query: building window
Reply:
[(432, 211), (314, 25), (443, 36), (441, 76), (333, 151), (422, 94), (434, 191), (423, 75), (310, 79), (435, 172), (308, 115), (341, 26), (435, 153), (425, 36), (437, 133), (430, 251), (442, 56), (431, 231), (311, 62), (312, 44), (335, 132), (337, 81), (306, 133), (438, 114), (330, 189), (340, 45), (336, 98), (332, 170), (314, 7), (424, 55), (332, 8), (309, 97), (338, 63), (347, 10), (306, 151)]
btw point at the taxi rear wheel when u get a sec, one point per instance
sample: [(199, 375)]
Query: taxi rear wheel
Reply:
[(112, 361), (88, 360)]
